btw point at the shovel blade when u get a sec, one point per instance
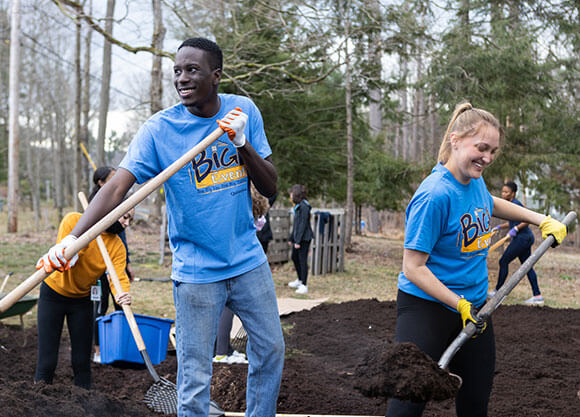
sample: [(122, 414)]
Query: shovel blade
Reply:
[(161, 397)]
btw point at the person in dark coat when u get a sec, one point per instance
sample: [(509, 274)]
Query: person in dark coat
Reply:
[(301, 237)]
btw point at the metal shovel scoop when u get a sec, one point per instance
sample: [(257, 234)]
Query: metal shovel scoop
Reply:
[(492, 304)]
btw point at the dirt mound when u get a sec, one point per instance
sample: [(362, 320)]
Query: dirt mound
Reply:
[(403, 371), (537, 371)]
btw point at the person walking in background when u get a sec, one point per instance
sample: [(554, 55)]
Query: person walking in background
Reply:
[(444, 278), (300, 237), (100, 178), (217, 258), (520, 247), (65, 294)]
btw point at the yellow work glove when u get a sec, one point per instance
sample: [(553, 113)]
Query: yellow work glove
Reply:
[(469, 314), (549, 226)]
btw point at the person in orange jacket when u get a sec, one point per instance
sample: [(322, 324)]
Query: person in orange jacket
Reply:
[(65, 294)]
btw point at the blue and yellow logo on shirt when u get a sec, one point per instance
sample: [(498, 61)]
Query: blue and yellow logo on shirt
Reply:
[(217, 168), (475, 231)]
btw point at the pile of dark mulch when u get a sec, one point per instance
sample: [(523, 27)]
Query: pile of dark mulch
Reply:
[(537, 371)]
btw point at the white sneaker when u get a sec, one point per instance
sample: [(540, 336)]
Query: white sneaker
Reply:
[(295, 284), (491, 293), (97, 357), (536, 300), (230, 359), (302, 289), (239, 354), (236, 359)]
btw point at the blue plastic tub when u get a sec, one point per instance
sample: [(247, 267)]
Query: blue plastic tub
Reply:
[(117, 343)]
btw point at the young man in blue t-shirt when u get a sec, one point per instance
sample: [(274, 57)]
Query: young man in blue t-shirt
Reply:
[(217, 258)]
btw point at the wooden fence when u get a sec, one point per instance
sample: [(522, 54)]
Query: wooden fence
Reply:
[(278, 249), (327, 249)]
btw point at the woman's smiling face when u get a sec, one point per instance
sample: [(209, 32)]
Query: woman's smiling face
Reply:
[(472, 154)]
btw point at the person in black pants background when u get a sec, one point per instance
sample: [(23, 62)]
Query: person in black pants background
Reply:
[(300, 237), (520, 247)]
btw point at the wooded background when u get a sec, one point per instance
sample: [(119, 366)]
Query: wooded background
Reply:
[(354, 94)]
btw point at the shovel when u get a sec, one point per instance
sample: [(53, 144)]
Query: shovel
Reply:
[(27, 285), (162, 395), (492, 304)]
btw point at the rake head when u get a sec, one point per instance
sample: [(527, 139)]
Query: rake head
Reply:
[(161, 397)]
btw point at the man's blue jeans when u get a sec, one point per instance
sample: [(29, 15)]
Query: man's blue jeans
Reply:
[(252, 298)]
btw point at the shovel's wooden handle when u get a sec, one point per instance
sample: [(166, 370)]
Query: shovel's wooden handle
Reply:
[(499, 243), (26, 286), (114, 278)]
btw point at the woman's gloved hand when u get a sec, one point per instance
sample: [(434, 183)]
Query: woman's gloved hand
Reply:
[(549, 226), (469, 314)]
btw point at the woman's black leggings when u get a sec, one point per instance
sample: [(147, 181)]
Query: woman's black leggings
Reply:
[(53, 308), (432, 327), (300, 259)]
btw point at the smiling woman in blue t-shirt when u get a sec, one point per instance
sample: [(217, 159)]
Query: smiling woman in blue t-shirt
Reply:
[(444, 279)]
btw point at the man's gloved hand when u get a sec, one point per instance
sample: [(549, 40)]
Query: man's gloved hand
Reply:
[(549, 226), (469, 314), (55, 259), (234, 124), (513, 232), (496, 228)]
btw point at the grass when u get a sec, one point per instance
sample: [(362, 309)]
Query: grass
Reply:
[(371, 270)]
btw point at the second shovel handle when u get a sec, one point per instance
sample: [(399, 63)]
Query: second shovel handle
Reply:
[(114, 278)]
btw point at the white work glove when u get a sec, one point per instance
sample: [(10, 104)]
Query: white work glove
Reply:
[(234, 124), (55, 259)]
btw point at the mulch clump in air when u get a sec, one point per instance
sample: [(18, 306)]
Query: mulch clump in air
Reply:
[(403, 371)]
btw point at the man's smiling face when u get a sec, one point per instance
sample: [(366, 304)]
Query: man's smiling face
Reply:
[(195, 80)]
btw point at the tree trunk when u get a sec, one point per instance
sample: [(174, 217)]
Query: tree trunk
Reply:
[(404, 64), (375, 98), (418, 150), (156, 89), (59, 183), (13, 137), (77, 119), (32, 175), (375, 56), (349, 147), (86, 101), (105, 85)]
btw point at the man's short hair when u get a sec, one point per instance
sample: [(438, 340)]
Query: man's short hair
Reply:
[(209, 46)]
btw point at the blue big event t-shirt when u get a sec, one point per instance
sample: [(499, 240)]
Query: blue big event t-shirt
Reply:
[(451, 222), (209, 210)]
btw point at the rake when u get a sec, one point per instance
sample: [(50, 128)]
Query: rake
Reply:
[(161, 397)]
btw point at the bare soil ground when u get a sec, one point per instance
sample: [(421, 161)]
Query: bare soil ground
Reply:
[(328, 348)]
